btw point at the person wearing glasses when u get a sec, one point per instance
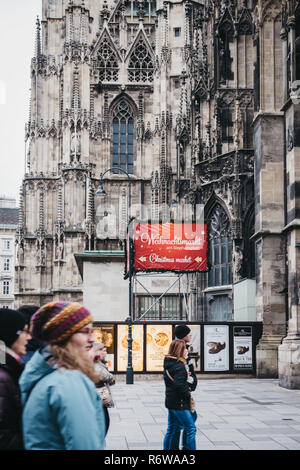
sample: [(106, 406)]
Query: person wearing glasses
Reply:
[(62, 409), (33, 344), (14, 336)]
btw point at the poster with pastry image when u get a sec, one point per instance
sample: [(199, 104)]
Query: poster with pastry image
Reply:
[(216, 347), (105, 334), (242, 347), (137, 348), (158, 339)]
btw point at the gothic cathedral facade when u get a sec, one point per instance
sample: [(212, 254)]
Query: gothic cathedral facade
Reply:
[(192, 99)]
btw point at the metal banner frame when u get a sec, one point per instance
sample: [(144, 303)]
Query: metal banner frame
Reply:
[(156, 300)]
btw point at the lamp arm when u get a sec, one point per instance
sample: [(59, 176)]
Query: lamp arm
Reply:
[(126, 173), (115, 168)]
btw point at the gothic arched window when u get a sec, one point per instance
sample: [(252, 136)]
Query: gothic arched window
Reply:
[(140, 65), (220, 248), (107, 62), (226, 35), (123, 135)]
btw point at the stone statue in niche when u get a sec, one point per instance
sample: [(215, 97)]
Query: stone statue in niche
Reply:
[(75, 146), (290, 139), (41, 258), (59, 252), (19, 255), (238, 263), (181, 159)]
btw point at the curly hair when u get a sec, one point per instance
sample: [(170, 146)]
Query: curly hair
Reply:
[(66, 356)]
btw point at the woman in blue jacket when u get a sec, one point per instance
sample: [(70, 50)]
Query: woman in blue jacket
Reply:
[(62, 409)]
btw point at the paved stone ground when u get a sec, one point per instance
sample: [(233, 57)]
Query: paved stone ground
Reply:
[(233, 414)]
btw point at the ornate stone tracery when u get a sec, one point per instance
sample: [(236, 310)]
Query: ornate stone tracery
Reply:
[(107, 61), (140, 68)]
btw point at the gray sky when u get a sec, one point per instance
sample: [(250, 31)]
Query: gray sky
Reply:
[(17, 39)]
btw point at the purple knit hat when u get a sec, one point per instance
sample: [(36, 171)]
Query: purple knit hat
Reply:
[(57, 321)]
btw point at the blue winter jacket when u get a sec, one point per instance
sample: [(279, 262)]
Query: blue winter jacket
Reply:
[(62, 409)]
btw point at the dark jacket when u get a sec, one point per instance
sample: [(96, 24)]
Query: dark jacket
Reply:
[(10, 405), (177, 391)]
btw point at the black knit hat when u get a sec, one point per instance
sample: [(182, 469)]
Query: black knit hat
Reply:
[(28, 311), (181, 331), (11, 321)]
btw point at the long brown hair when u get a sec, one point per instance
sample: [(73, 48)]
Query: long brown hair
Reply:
[(177, 350), (66, 356)]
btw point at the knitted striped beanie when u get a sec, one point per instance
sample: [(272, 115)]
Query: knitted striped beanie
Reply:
[(57, 321)]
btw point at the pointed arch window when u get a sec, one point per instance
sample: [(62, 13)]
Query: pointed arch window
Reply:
[(107, 62), (123, 136), (140, 65), (220, 248), (226, 36)]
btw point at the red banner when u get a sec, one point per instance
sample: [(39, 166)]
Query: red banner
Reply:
[(170, 246)]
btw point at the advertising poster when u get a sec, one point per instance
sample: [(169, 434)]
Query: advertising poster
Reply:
[(170, 246), (216, 347), (105, 334), (158, 341), (194, 347), (137, 348), (242, 347)]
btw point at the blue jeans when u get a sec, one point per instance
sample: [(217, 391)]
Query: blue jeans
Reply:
[(177, 435), (177, 420)]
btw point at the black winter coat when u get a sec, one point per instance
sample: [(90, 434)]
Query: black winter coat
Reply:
[(10, 405), (177, 391)]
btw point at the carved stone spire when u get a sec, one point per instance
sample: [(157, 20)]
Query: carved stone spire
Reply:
[(60, 203), (123, 214), (155, 195), (238, 127), (90, 208), (21, 209), (38, 46), (140, 123), (105, 115), (76, 99), (41, 212), (165, 42), (105, 12)]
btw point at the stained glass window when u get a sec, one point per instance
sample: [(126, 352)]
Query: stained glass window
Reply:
[(220, 248), (123, 136)]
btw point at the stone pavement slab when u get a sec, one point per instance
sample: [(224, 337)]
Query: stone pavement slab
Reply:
[(233, 414)]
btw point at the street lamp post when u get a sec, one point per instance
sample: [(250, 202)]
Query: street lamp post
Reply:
[(101, 192)]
